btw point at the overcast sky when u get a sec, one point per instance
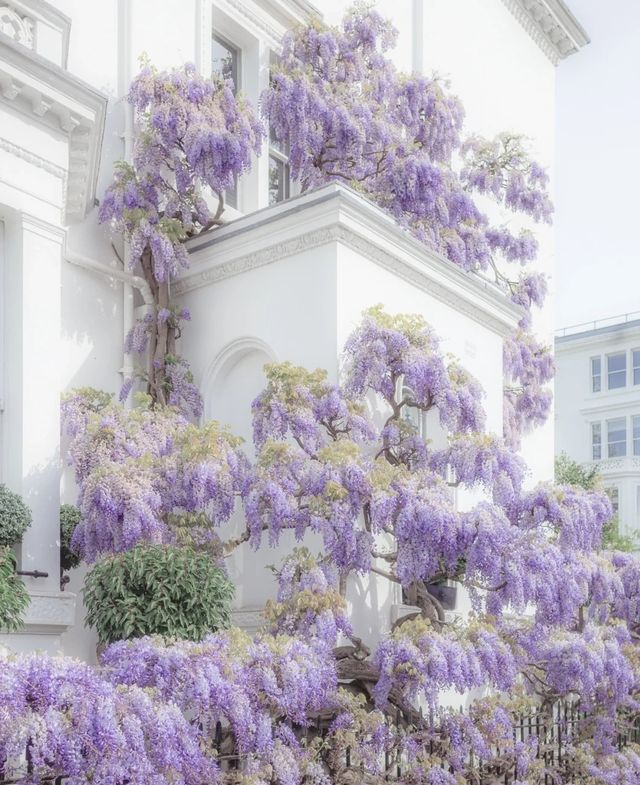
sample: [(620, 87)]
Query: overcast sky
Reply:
[(598, 166)]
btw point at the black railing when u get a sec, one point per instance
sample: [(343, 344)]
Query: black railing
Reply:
[(555, 730)]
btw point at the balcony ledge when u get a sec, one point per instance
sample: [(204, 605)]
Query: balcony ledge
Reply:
[(336, 214)]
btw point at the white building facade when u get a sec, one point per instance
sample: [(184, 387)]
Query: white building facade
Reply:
[(598, 407), (286, 279)]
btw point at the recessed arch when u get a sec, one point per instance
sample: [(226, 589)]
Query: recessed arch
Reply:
[(232, 381)]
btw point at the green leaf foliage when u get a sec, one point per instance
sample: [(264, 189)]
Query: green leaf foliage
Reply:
[(175, 592), (14, 598), (570, 472), (69, 519), (15, 517)]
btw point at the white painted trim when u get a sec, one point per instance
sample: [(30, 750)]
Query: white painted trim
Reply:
[(64, 104), (49, 613), (551, 25), (336, 214)]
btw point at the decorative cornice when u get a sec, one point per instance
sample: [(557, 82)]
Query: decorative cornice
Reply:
[(32, 158), (551, 25), (272, 17), (24, 21), (64, 104), (350, 220), (17, 26)]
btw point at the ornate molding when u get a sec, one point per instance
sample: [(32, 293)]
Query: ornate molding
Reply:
[(18, 27), (64, 104), (352, 222), (551, 25), (32, 158)]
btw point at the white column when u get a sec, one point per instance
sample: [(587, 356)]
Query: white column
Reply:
[(32, 389)]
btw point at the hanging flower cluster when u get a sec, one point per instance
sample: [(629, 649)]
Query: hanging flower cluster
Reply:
[(196, 136), (143, 472), (347, 115)]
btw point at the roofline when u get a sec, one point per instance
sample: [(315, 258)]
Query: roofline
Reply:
[(552, 26), (596, 332)]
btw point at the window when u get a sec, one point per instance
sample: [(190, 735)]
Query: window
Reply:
[(635, 355), (279, 171), (596, 441), (225, 60), (635, 424), (617, 370), (225, 63), (596, 374), (412, 415), (617, 438), (614, 497)]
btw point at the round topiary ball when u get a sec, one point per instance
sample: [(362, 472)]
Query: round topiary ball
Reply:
[(69, 519), (15, 517), (166, 590)]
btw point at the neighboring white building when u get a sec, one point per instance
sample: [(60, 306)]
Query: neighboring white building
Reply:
[(597, 394), (286, 280)]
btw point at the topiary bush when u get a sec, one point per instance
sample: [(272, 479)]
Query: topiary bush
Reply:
[(15, 517), (14, 598), (69, 519), (163, 590)]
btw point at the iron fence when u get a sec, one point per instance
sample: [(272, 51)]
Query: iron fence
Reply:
[(554, 730)]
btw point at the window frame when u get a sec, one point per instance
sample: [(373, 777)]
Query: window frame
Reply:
[(276, 153), (596, 426), (635, 368), (592, 360), (609, 357), (613, 492), (635, 440), (231, 195), (610, 443)]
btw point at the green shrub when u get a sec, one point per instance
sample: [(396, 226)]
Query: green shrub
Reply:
[(69, 519), (14, 598), (15, 517), (157, 590)]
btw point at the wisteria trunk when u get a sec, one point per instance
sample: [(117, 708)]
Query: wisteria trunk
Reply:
[(162, 341)]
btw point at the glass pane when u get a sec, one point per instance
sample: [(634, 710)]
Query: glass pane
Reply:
[(278, 180), (617, 438), (636, 435), (636, 366), (617, 370), (614, 497), (595, 374), (596, 441), (225, 60)]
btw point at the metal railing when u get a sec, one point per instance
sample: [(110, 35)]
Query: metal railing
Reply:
[(596, 324), (555, 730)]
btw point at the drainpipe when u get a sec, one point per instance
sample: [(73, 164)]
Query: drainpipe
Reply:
[(124, 45), (129, 279)]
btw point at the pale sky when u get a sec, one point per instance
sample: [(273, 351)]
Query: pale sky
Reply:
[(598, 166)]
